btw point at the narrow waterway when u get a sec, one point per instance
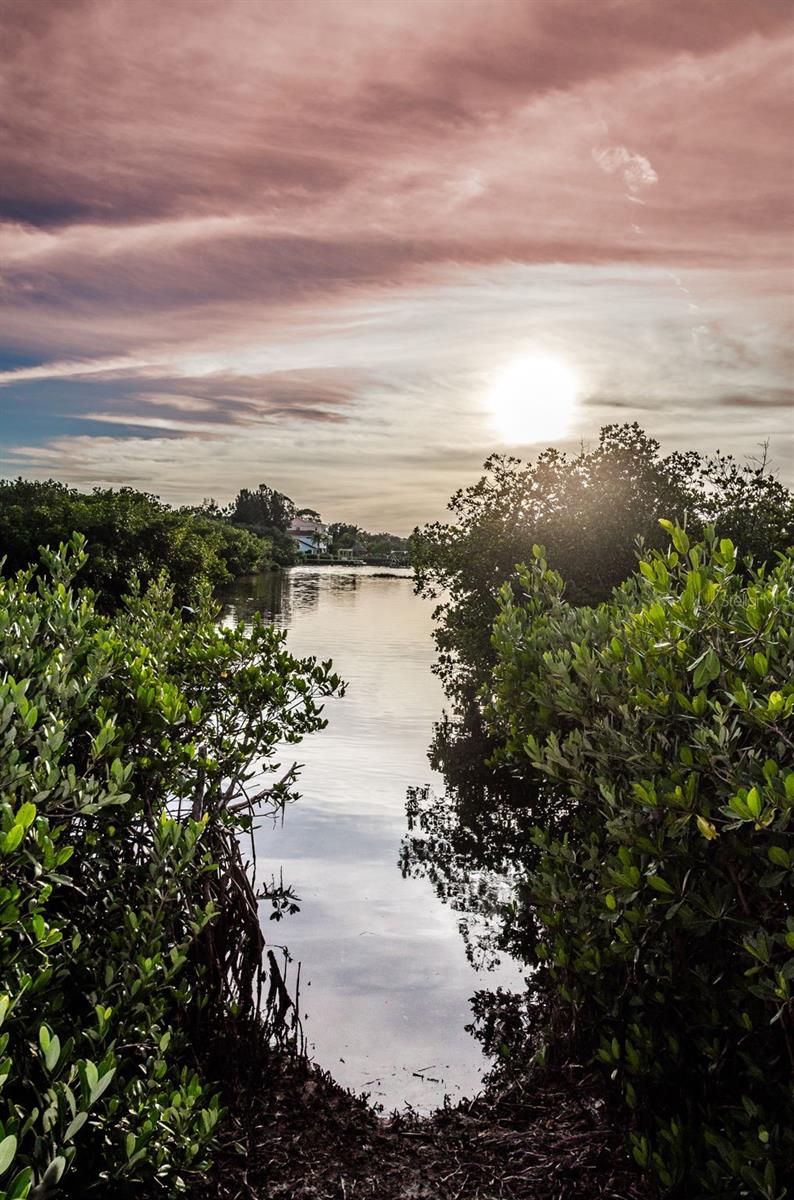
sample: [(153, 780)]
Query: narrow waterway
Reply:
[(385, 978)]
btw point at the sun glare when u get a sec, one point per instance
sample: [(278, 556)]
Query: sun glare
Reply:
[(533, 400)]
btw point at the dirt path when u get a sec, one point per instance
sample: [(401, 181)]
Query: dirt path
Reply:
[(294, 1134)]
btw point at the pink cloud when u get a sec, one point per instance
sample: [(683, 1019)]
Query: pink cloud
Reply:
[(232, 191)]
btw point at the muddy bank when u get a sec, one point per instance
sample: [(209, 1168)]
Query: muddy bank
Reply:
[(294, 1134)]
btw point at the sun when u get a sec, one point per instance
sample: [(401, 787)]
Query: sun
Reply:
[(533, 400)]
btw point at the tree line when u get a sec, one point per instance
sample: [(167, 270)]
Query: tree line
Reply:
[(268, 513), (131, 534), (134, 534)]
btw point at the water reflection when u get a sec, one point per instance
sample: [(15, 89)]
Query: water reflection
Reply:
[(280, 595), (443, 848), (386, 978), (473, 839)]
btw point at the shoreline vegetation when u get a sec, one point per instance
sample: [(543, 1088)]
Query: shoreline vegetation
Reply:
[(134, 534), (618, 733), (137, 751)]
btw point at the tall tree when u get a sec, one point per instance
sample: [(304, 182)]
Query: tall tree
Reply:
[(263, 510), (588, 510)]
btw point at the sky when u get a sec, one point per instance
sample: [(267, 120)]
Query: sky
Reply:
[(305, 243)]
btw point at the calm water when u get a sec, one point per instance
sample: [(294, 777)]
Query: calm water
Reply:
[(385, 978)]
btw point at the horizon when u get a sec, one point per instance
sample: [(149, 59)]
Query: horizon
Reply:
[(350, 253)]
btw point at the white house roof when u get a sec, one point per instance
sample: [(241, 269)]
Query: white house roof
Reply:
[(306, 525)]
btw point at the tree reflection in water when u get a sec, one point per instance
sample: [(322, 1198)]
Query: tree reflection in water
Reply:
[(472, 842), (279, 595), (469, 840)]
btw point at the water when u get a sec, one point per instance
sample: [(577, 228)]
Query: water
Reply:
[(385, 977)]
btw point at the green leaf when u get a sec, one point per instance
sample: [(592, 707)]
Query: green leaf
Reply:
[(754, 802), (20, 1185), (778, 856), (52, 1054), (639, 1148), (75, 1126), (660, 885), (26, 815), (680, 540), (739, 806), (101, 1085), (8, 1150), (13, 838), (55, 1170), (91, 1073), (706, 828), (708, 668)]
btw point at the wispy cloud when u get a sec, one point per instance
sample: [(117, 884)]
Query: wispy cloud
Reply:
[(323, 224), (635, 170)]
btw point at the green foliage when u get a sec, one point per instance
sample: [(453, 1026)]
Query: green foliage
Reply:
[(655, 732), (264, 508), (588, 510), (229, 553), (368, 545), (129, 532), (131, 758), (267, 513)]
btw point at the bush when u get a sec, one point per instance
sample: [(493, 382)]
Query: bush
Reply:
[(587, 510), (129, 748), (661, 723), (129, 532)]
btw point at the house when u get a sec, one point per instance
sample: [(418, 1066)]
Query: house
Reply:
[(354, 553), (309, 535)]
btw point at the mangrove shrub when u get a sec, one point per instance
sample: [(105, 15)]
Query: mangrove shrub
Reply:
[(128, 531), (587, 510), (656, 730), (134, 749)]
